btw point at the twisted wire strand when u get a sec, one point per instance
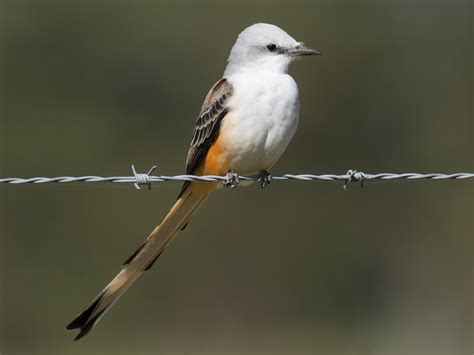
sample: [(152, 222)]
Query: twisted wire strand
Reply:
[(147, 179)]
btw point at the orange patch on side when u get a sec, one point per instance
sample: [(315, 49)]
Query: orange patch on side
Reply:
[(217, 158), (214, 163)]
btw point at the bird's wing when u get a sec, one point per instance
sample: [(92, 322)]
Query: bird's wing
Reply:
[(206, 130)]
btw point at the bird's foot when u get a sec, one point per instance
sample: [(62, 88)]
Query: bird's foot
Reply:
[(264, 178), (231, 180)]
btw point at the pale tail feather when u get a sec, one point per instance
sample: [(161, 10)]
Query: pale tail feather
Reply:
[(141, 260)]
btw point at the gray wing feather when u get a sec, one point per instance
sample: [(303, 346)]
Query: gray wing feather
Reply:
[(207, 125)]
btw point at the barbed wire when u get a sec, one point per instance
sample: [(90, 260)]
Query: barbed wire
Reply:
[(147, 179)]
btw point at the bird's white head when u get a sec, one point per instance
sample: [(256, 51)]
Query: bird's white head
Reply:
[(265, 47)]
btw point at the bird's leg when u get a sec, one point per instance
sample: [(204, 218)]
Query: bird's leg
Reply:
[(264, 178), (232, 179)]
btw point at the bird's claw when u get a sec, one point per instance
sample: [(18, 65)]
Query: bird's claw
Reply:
[(264, 178), (231, 180)]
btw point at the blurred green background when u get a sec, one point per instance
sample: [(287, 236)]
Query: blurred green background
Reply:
[(89, 87)]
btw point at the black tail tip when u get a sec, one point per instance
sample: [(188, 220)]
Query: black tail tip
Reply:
[(84, 331), (75, 324), (85, 321), (86, 328)]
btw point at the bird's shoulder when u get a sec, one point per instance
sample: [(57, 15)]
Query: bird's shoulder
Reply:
[(212, 112), (206, 129), (218, 94)]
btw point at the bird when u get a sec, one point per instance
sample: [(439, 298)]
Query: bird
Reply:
[(245, 124)]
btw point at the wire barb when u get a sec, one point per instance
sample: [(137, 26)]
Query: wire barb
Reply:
[(142, 179), (354, 176)]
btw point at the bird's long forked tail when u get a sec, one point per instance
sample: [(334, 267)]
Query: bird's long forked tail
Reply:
[(141, 260)]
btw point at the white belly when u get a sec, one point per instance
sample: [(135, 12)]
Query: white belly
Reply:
[(263, 118)]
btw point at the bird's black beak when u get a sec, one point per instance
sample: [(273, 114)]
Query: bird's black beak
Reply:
[(302, 50)]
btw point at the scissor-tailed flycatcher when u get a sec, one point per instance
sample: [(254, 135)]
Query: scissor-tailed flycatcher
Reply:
[(245, 124)]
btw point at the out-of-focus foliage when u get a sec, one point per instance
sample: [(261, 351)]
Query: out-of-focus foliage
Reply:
[(88, 87)]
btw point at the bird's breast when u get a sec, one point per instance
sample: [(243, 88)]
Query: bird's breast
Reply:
[(262, 120)]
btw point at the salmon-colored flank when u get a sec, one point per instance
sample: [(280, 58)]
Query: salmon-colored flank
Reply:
[(216, 161), (213, 163)]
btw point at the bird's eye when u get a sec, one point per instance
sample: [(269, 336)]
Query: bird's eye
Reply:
[(271, 47)]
